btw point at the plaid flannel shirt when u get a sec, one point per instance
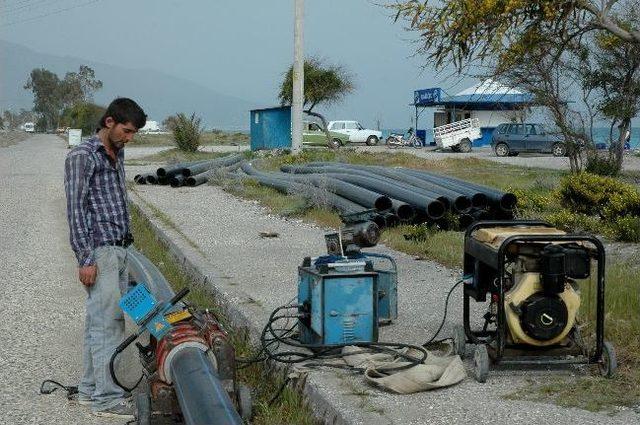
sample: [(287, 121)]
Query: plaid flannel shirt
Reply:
[(97, 209)]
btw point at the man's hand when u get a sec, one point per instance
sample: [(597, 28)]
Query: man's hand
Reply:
[(88, 274)]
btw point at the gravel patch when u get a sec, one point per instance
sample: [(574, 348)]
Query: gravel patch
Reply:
[(258, 274)]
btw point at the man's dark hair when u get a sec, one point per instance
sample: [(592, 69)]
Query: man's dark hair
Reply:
[(124, 110)]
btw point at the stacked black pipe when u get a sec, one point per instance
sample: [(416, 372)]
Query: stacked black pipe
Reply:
[(396, 195), (188, 173)]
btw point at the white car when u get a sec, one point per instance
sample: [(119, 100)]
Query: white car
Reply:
[(356, 133)]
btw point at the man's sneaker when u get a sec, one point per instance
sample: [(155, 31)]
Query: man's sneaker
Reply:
[(81, 399), (122, 410)]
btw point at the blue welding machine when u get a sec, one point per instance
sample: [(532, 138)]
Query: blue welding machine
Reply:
[(387, 286), (338, 301)]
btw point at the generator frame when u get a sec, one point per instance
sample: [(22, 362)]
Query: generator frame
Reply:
[(493, 344)]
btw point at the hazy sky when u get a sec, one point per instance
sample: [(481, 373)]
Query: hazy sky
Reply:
[(239, 48)]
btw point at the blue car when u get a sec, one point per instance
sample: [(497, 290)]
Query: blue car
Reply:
[(509, 139), (601, 146)]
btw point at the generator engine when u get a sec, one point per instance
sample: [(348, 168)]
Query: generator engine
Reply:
[(541, 306), (530, 271)]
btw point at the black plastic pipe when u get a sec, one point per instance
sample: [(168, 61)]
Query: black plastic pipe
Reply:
[(202, 398), (141, 178), (176, 180), (391, 220), (404, 211), (151, 179), (505, 200), (365, 173), (434, 208), (201, 178), (478, 199), (460, 201), (359, 195), (171, 170)]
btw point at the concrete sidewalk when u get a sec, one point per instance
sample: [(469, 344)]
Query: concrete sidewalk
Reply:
[(42, 301), (253, 275)]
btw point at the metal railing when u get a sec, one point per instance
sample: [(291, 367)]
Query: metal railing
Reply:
[(453, 127)]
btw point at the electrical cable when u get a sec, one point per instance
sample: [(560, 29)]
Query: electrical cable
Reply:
[(50, 14), (326, 352), (113, 373), (70, 389), (444, 316)]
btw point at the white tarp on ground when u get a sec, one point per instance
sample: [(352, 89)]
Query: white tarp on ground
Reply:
[(381, 370)]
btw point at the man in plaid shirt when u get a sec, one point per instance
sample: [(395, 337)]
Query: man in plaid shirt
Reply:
[(98, 218)]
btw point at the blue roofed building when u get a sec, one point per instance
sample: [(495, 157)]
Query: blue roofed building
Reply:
[(490, 102)]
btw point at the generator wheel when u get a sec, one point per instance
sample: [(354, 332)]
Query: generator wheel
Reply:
[(459, 340), (481, 363), (245, 402), (609, 363), (143, 406)]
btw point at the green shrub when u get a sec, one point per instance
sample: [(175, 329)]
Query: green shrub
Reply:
[(597, 195), (187, 132), (531, 201), (574, 222), (626, 228), (601, 165)]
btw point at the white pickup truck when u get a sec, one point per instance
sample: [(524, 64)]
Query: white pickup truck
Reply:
[(356, 133), (457, 135)]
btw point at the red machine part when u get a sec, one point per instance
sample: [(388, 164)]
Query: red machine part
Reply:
[(203, 331)]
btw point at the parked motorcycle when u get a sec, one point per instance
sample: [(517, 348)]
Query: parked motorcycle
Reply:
[(396, 140)]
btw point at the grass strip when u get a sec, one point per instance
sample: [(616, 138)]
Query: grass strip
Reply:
[(174, 156), (290, 407), (206, 139)]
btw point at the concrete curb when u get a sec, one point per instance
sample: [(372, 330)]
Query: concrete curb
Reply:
[(232, 301)]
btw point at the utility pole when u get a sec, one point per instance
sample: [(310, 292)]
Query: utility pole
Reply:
[(298, 78)]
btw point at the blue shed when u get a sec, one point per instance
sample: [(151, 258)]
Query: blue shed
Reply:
[(271, 128)]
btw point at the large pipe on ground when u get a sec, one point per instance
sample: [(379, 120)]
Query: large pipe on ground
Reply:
[(203, 177), (478, 199), (195, 169), (434, 208), (297, 169), (202, 398), (505, 200), (176, 180), (359, 195), (170, 170)]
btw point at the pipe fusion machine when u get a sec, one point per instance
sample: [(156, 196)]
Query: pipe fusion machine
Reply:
[(189, 363), (345, 295), (535, 277)]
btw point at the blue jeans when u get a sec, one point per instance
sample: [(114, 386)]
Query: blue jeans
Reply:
[(104, 327)]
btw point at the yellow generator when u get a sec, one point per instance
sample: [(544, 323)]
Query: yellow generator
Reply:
[(531, 274)]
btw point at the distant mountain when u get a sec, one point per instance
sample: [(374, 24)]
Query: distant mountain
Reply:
[(159, 94)]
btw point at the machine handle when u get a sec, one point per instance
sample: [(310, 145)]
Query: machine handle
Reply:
[(386, 257), (177, 297)]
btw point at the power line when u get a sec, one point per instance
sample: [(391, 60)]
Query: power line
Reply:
[(56, 12), (28, 6)]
